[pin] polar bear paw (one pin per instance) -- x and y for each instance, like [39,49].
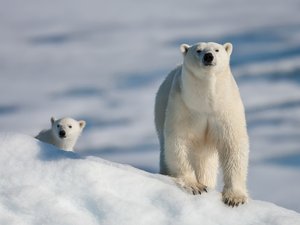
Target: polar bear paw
[194,188]
[234,198]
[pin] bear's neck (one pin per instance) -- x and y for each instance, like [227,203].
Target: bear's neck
[199,94]
[68,145]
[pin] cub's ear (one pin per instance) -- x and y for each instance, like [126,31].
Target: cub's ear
[52,120]
[228,48]
[184,49]
[82,124]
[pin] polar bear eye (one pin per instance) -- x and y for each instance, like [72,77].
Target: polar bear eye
[217,50]
[58,126]
[199,50]
[70,126]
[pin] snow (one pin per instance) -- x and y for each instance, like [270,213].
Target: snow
[102,61]
[41,184]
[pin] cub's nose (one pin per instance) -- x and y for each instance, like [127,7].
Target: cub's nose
[62,134]
[208,58]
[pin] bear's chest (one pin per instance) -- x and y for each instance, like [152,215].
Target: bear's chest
[199,96]
[204,127]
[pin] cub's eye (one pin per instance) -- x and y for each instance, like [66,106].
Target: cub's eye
[199,50]
[58,126]
[70,126]
[217,50]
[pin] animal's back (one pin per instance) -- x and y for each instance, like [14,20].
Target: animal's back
[45,136]
[161,103]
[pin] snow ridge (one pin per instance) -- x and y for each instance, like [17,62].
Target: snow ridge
[41,184]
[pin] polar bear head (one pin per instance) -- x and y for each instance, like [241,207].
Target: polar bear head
[67,128]
[203,58]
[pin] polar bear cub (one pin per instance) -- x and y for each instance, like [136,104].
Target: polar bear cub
[63,134]
[200,121]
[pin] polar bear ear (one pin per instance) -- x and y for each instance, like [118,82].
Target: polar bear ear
[228,48]
[82,124]
[52,120]
[184,48]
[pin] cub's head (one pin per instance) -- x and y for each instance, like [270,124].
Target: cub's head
[203,58]
[67,128]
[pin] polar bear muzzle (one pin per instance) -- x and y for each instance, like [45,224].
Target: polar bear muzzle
[62,134]
[208,59]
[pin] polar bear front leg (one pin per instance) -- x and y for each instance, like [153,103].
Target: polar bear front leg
[234,162]
[190,185]
[179,165]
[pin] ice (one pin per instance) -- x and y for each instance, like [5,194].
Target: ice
[41,184]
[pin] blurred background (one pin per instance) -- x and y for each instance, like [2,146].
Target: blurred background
[103,61]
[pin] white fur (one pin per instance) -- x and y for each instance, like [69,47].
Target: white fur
[200,120]
[72,129]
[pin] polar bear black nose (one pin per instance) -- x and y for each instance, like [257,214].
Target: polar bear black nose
[208,58]
[62,133]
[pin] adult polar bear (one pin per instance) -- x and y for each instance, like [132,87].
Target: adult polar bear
[200,120]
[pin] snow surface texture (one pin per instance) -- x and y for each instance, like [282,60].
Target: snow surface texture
[43,185]
[102,61]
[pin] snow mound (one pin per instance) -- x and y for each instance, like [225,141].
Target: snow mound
[43,185]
